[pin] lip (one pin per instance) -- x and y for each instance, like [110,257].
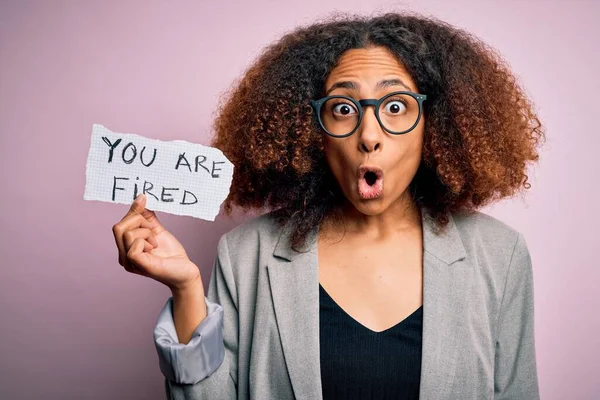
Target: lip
[365,190]
[363,169]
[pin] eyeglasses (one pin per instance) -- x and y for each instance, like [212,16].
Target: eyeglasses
[397,112]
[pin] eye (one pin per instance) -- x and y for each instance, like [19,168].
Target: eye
[394,107]
[344,109]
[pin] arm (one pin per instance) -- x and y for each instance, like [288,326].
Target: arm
[205,367]
[189,310]
[515,362]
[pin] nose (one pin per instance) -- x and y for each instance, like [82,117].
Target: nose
[371,133]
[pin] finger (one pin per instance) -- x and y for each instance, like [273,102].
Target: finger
[132,221]
[153,221]
[147,246]
[138,205]
[144,261]
[152,240]
[145,233]
[131,256]
[129,222]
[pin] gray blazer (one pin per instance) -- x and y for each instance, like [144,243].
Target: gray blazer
[260,339]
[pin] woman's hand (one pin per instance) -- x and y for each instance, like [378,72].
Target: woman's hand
[146,248]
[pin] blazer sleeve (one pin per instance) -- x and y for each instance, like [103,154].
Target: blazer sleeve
[515,360]
[206,367]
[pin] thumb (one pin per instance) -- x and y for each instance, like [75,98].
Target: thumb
[151,217]
[139,206]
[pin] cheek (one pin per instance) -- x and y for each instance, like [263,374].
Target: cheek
[337,155]
[413,151]
[340,163]
[416,150]
[408,160]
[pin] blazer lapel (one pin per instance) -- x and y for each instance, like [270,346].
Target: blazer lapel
[444,303]
[294,282]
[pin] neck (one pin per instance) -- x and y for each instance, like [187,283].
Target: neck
[400,216]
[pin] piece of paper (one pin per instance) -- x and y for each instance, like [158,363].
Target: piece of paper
[178,177]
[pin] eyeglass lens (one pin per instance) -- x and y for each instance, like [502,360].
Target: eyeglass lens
[397,113]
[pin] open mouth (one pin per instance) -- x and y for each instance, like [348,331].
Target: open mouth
[370,182]
[370,177]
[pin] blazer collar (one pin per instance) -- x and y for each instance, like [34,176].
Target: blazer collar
[447,247]
[294,284]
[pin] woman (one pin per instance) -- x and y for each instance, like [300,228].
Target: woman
[371,142]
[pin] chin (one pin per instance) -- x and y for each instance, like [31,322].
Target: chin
[370,207]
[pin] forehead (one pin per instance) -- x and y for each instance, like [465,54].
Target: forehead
[367,67]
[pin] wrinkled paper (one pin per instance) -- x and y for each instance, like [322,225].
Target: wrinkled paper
[178,177]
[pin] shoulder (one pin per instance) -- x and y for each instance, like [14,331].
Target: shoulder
[477,223]
[252,236]
[261,227]
[480,230]
[491,243]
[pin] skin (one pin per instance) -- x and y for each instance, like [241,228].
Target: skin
[146,248]
[374,271]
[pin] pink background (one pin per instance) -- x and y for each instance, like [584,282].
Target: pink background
[74,324]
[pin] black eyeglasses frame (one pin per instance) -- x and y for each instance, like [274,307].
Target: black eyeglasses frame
[317,104]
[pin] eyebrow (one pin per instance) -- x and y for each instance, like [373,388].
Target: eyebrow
[386,83]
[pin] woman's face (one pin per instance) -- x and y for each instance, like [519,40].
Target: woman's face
[398,156]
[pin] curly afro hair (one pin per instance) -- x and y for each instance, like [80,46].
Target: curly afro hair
[480,128]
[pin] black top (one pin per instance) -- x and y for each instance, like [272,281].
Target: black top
[358,363]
